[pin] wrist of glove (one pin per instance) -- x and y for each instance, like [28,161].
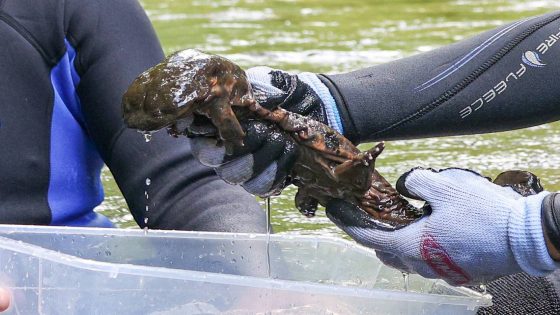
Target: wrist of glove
[477,231]
[303,93]
[263,164]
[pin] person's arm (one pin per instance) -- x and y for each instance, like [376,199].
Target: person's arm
[115,42]
[500,80]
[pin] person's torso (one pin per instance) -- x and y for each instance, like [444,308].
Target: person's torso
[49,167]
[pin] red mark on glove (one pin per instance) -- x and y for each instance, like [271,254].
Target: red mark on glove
[438,259]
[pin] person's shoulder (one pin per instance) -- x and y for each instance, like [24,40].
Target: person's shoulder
[38,22]
[102,19]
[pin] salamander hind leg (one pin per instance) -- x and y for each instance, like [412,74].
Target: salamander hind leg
[366,158]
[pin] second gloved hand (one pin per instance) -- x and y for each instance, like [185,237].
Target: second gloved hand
[262,165]
[477,232]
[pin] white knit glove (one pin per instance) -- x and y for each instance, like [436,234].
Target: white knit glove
[477,232]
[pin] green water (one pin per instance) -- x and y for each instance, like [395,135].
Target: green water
[341,35]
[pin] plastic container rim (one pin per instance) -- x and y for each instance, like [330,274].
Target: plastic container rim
[472,298]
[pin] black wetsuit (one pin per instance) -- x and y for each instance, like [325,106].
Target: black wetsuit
[500,80]
[64,66]
[503,79]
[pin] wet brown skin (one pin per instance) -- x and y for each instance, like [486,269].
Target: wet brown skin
[190,84]
[329,166]
[186,84]
[523,182]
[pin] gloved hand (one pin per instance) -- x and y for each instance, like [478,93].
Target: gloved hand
[477,231]
[262,165]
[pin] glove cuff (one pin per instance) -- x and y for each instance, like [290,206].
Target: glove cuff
[527,238]
[260,79]
[333,116]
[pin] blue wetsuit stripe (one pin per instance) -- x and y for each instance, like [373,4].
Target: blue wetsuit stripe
[468,57]
[74,185]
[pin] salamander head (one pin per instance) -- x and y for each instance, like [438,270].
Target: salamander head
[167,92]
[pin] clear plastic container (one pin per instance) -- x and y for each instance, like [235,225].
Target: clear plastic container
[60,270]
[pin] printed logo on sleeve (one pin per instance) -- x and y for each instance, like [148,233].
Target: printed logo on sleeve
[529,58]
[532,59]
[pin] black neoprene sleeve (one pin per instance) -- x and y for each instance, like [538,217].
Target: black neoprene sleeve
[115,42]
[500,80]
[551,218]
